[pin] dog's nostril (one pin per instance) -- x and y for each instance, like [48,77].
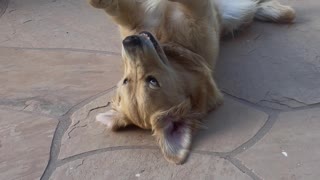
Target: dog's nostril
[131,41]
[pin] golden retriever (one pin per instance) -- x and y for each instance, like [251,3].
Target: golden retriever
[169,52]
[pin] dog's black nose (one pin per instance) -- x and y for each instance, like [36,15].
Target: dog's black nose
[131,41]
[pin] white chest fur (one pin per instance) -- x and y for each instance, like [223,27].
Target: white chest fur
[154,12]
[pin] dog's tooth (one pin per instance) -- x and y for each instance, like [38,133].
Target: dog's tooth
[145,35]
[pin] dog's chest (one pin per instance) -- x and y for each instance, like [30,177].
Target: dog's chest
[154,10]
[158,12]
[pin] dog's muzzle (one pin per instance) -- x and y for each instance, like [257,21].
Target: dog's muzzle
[143,42]
[132,41]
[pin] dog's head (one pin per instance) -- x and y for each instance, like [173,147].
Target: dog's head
[165,88]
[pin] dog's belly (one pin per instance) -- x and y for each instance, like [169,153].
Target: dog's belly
[172,24]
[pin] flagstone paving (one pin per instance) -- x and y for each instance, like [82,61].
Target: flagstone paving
[24,144]
[59,64]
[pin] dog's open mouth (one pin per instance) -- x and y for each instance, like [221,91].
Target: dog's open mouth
[154,42]
[144,41]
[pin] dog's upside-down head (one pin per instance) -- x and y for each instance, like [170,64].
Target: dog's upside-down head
[165,88]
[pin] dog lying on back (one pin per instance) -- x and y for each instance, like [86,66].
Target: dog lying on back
[169,52]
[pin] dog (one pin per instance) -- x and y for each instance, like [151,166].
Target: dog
[169,51]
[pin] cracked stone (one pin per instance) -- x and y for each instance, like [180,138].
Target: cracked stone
[58,24]
[25,142]
[146,164]
[85,134]
[227,128]
[51,82]
[276,66]
[290,150]
[3,6]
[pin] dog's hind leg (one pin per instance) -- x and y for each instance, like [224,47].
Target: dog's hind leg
[272,10]
[125,13]
[236,14]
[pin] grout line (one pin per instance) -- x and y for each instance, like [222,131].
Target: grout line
[237,163]
[63,125]
[5,6]
[257,137]
[64,49]
[267,110]
[55,147]
[311,106]
[230,156]
[209,153]
[98,151]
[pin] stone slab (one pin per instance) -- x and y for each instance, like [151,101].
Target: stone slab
[51,82]
[86,134]
[3,6]
[230,126]
[290,150]
[57,24]
[147,164]
[277,66]
[25,142]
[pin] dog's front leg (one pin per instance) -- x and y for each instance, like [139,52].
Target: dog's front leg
[112,119]
[126,13]
[197,7]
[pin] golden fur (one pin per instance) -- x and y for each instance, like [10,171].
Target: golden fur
[167,83]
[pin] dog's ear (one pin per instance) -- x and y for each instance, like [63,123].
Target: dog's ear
[173,130]
[174,139]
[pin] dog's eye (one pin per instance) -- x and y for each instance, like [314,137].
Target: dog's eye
[125,81]
[153,82]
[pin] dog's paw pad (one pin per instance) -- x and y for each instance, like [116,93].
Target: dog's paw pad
[106,118]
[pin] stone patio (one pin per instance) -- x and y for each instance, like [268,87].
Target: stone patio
[60,62]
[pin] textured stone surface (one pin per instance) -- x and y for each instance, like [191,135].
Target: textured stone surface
[3,6]
[229,127]
[86,134]
[57,24]
[64,56]
[295,134]
[25,142]
[52,82]
[146,164]
[275,65]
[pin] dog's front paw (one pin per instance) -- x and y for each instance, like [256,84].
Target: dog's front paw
[101,4]
[219,100]
[113,120]
[107,119]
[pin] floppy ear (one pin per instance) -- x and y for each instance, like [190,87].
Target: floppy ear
[173,130]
